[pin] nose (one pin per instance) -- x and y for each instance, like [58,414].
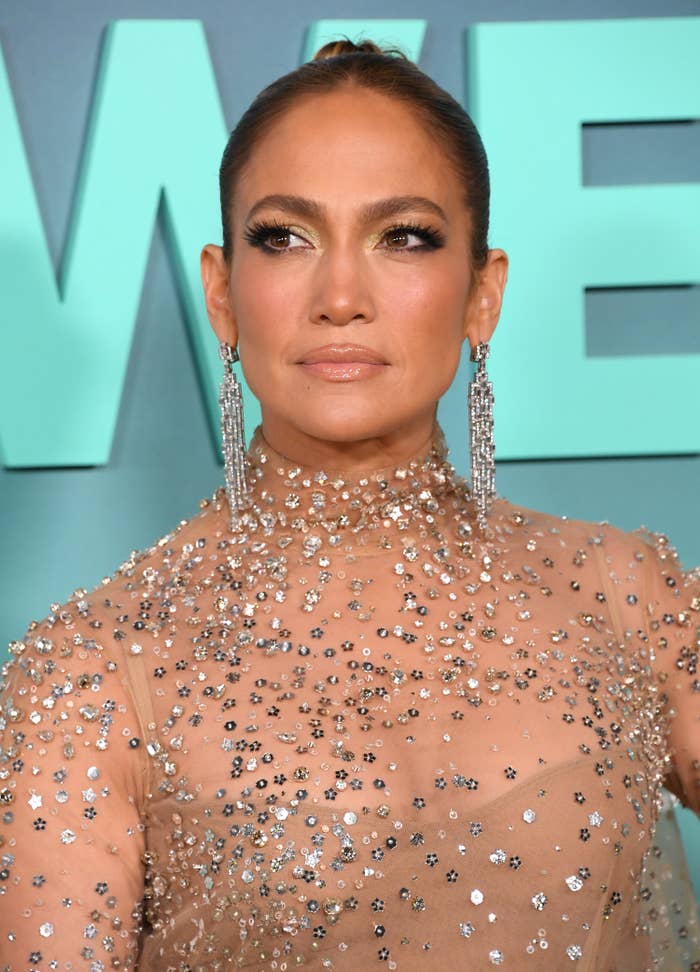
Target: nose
[341,291]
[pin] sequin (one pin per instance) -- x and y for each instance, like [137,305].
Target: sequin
[326,737]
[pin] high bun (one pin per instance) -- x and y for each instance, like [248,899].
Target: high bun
[345,46]
[343,63]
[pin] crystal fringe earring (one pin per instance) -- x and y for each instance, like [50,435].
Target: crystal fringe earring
[483,466]
[233,440]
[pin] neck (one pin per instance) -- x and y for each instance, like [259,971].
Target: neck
[330,507]
[350,458]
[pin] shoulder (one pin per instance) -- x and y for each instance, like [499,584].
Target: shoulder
[102,621]
[161,564]
[633,565]
[562,530]
[617,542]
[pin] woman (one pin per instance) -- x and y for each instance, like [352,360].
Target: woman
[355,713]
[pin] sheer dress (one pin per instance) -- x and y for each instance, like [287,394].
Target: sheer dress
[355,732]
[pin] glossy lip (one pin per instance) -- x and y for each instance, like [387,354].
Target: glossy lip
[342,354]
[343,362]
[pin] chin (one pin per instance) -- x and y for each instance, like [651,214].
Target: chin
[342,429]
[366,421]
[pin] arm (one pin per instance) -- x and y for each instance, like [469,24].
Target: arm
[671,607]
[71,791]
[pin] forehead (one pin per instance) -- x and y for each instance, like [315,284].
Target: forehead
[345,145]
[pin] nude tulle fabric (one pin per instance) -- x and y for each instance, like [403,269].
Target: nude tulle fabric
[356,733]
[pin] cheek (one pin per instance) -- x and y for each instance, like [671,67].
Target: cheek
[431,325]
[262,309]
[264,306]
[261,296]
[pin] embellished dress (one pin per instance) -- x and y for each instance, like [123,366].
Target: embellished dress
[351,732]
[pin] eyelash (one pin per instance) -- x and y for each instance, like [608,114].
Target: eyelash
[258,232]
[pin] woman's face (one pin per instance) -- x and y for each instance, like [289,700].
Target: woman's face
[348,291]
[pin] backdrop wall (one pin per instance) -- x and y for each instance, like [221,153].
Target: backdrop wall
[631,460]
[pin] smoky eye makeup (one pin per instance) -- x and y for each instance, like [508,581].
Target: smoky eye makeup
[432,238]
[261,232]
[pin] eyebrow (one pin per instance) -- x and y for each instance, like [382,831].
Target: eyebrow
[374,211]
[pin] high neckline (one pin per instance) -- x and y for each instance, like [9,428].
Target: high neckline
[434,454]
[339,504]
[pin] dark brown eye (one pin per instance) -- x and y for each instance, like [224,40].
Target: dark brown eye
[399,235]
[270,236]
[279,236]
[398,238]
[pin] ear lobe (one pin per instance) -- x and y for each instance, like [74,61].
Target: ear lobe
[481,321]
[215,281]
[485,306]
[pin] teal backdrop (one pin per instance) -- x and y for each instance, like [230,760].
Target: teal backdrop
[113,117]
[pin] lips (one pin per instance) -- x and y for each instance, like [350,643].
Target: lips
[343,354]
[343,363]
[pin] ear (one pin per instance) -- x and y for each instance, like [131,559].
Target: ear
[484,305]
[215,280]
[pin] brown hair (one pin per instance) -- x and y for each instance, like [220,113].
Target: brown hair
[388,71]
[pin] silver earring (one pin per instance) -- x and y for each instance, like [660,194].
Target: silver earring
[483,466]
[232,437]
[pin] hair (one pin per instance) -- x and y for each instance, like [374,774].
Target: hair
[340,63]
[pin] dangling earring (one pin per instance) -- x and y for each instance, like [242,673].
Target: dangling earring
[483,466]
[233,440]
